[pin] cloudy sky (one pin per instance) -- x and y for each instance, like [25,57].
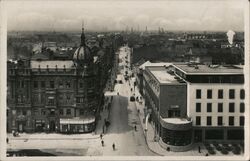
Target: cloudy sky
[62,15]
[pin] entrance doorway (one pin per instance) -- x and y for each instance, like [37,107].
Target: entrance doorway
[197,136]
[52,126]
[20,127]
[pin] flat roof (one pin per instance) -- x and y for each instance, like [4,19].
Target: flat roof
[176,120]
[210,69]
[148,63]
[161,74]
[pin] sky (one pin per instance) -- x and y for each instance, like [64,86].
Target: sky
[188,15]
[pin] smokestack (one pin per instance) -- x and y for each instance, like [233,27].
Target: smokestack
[230,36]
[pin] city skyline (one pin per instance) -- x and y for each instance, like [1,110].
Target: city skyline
[120,15]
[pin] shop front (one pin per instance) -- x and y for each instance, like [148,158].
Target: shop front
[176,134]
[77,125]
[40,125]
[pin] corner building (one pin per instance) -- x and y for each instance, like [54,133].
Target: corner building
[55,95]
[195,103]
[215,101]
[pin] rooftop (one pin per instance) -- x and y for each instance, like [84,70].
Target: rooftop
[52,64]
[161,74]
[148,63]
[210,69]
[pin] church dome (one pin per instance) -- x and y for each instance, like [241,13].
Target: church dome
[82,53]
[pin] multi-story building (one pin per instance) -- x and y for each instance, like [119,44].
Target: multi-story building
[215,101]
[166,102]
[47,95]
[195,103]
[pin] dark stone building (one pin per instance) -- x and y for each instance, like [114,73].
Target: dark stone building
[49,95]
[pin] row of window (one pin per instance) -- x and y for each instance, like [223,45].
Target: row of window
[68,112]
[51,84]
[220,107]
[61,112]
[220,120]
[220,94]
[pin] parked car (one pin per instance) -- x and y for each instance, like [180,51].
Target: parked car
[132,98]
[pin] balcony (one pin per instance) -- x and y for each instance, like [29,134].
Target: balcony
[179,124]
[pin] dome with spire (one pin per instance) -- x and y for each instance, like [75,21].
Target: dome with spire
[82,53]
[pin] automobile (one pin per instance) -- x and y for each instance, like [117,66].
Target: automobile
[132,98]
[120,81]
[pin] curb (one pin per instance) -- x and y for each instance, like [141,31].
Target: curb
[145,135]
[53,138]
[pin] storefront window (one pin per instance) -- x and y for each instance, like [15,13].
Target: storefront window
[176,138]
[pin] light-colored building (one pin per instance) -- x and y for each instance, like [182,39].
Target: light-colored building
[215,101]
[204,102]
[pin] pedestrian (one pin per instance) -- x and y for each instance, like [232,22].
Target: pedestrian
[103,128]
[7,140]
[102,143]
[199,148]
[113,146]
[101,136]
[135,127]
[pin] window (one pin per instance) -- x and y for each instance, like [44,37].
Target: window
[209,107]
[231,93]
[219,119]
[220,107]
[24,112]
[242,120]
[60,84]
[220,93]
[68,84]
[35,84]
[81,112]
[22,84]
[209,94]
[242,107]
[68,112]
[43,112]
[61,112]
[198,93]
[198,107]
[198,120]
[231,107]
[52,84]
[81,85]
[174,113]
[42,84]
[231,121]
[209,120]
[52,112]
[242,94]
[68,98]
[51,101]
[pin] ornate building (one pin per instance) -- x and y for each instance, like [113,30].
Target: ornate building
[47,95]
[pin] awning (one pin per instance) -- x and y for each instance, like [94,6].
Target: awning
[77,120]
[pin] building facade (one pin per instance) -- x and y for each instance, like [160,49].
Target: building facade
[166,102]
[195,103]
[56,95]
[216,101]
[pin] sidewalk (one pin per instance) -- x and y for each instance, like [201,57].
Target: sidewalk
[155,146]
[59,136]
